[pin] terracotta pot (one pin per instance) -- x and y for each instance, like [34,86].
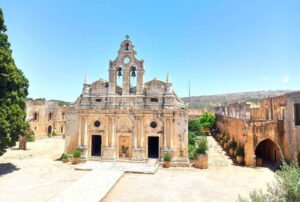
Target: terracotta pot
[239,159]
[77,160]
[231,151]
[201,161]
[225,145]
[65,160]
[123,155]
[167,164]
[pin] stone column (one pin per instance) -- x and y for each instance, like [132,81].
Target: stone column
[106,132]
[85,139]
[135,132]
[113,132]
[172,132]
[79,132]
[142,132]
[165,133]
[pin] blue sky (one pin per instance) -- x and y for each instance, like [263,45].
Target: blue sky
[220,46]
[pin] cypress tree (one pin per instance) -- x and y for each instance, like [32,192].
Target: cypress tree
[13,92]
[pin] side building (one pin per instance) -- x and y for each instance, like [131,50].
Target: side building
[269,131]
[46,117]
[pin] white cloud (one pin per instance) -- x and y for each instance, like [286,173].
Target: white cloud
[285,79]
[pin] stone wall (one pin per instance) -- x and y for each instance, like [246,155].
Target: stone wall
[273,120]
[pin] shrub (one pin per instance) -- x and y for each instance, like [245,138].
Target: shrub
[65,156]
[192,137]
[240,152]
[232,144]
[202,145]
[285,188]
[124,149]
[77,154]
[207,120]
[194,125]
[192,149]
[167,157]
[30,138]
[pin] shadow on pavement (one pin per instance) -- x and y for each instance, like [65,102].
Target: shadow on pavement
[6,168]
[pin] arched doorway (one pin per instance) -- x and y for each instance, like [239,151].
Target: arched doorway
[268,154]
[49,129]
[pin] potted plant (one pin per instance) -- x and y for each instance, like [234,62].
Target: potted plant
[124,151]
[225,145]
[202,158]
[232,147]
[221,140]
[77,156]
[240,153]
[65,158]
[167,160]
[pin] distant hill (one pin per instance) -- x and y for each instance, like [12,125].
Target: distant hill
[209,102]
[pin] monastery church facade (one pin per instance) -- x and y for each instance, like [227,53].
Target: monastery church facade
[126,117]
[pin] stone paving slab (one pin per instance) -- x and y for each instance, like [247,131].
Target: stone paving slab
[90,188]
[145,168]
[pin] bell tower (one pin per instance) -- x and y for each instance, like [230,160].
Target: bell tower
[128,68]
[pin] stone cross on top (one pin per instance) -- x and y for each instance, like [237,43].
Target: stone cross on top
[127,36]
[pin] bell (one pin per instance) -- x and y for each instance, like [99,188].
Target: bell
[119,73]
[133,74]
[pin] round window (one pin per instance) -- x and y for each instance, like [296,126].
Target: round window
[97,124]
[153,124]
[126,60]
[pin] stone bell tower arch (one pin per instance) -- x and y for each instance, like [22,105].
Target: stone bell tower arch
[129,67]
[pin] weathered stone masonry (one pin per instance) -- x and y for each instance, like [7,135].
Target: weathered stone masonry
[147,118]
[270,131]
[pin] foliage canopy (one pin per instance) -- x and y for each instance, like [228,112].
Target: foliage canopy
[13,91]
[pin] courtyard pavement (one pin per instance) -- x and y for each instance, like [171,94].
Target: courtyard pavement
[222,181]
[36,175]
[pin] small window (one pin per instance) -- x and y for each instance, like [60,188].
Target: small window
[62,129]
[154,100]
[97,124]
[282,111]
[63,116]
[36,116]
[98,100]
[297,114]
[153,124]
[50,116]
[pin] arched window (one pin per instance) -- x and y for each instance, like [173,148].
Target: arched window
[132,76]
[63,116]
[61,129]
[119,81]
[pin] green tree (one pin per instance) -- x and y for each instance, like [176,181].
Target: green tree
[207,120]
[194,126]
[13,91]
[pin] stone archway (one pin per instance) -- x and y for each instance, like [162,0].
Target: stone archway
[268,154]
